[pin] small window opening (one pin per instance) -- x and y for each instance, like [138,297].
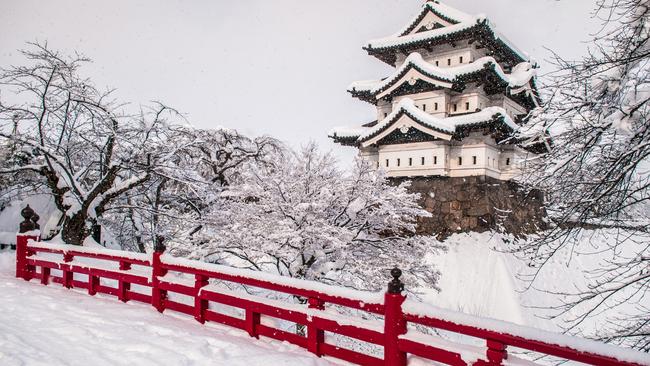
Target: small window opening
[467,106]
[398,162]
[448,62]
[422,160]
[507,161]
[410,161]
[424,107]
[455,107]
[435,160]
[460,160]
[474,160]
[385,114]
[460,59]
[435,106]
[386,163]
[437,63]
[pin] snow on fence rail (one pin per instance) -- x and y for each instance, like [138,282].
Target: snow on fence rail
[34,260]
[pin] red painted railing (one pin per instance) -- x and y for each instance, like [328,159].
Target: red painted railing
[396,333]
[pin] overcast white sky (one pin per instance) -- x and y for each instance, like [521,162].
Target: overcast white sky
[277,67]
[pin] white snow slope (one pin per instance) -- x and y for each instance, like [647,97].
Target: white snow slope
[50,325]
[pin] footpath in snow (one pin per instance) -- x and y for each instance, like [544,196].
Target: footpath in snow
[50,325]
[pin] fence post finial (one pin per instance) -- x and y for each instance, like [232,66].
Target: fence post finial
[35,219]
[159,246]
[395,286]
[29,222]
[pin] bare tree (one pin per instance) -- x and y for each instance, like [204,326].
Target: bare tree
[82,149]
[596,174]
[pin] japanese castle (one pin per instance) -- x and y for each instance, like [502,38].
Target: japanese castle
[458,93]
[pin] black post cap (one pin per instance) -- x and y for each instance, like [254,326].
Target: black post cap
[395,286]
[29,223]
[35,219]
[159,246]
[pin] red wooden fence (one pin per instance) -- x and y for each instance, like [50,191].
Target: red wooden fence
[36,260]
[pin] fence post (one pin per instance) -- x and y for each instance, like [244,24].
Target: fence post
[26,232]
[394,322]
[68,276]
[496,352]
[158,296]
[315,336]
[252,320]
[93,284]
[123,287]
[200,305]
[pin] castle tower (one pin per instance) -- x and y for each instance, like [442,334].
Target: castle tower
[449,111]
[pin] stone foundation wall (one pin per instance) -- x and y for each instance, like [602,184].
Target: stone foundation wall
[478,204]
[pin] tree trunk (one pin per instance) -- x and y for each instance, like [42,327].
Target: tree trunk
[75,229]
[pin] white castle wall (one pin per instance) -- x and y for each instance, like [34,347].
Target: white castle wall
[476,155]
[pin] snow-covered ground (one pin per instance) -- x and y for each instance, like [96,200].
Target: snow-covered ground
[481,281]
[50,325]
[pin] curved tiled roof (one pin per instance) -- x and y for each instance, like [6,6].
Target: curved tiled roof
[448,125]
[520,77]
[461,24]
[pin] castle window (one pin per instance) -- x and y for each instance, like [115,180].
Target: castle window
[435,106]
[398,162]
[474,159]
[385,114]
[410,161]
[386,163]
[507,161]
[422,160]
[437,63]
[435,160]
[467,106]
[424,107]
[460,160]
[448,62]
[455,107]
[460,59]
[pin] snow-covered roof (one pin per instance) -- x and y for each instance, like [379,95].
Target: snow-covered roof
[443,11]
[447,125]
[519,78]
[460,23]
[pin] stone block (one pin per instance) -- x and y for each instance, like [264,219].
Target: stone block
[463,196]
[478,210]
[459,181]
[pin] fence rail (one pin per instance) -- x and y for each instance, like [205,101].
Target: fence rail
[35,261]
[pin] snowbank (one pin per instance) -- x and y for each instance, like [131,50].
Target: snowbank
[478,280]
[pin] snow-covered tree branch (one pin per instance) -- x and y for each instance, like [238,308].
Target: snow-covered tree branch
[597,173]
[303,217]
[73,137]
